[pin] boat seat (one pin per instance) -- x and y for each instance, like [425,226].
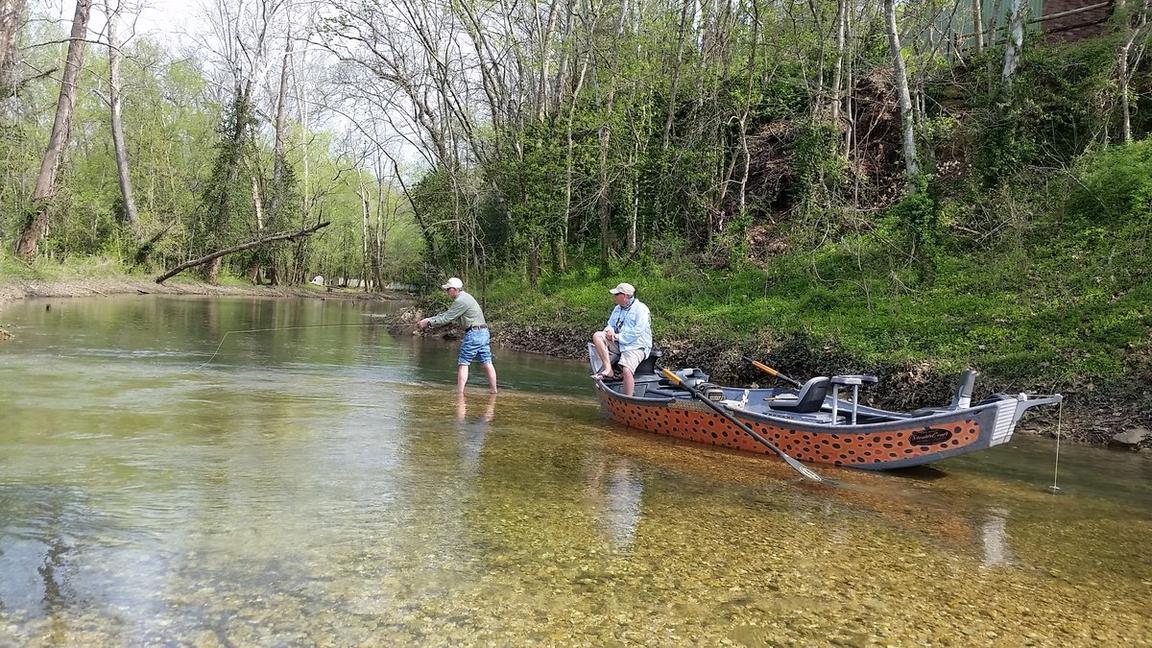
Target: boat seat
[849,380]
[646,370]
[961,397]
[647,366]
[810,398]
[962,394]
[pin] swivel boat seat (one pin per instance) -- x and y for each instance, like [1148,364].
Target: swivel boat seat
[809,399]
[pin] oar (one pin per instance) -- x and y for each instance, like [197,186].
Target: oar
[772,372]
[796,465]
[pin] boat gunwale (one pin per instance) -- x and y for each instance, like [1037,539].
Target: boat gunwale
[927,420]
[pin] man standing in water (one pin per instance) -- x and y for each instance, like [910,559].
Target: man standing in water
[476,343]
[627,338]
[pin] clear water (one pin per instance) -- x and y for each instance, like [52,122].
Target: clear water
[322,486]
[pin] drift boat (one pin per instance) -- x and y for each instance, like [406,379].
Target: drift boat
[815,423]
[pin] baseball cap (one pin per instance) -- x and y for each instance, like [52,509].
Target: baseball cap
[454,282]
[626,288]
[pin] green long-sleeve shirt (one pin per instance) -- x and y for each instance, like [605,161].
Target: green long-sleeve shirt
[464,311]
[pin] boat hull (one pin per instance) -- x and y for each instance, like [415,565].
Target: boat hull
[879,446]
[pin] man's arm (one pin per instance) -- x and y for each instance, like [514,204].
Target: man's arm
[455,310]
[609,331]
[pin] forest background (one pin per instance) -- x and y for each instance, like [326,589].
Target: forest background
[904,188]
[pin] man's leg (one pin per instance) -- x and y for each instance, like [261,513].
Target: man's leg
[491,369]
[601,344]
[461,378]
[629,381]
[468,350]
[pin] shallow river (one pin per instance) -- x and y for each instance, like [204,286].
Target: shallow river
[162,483]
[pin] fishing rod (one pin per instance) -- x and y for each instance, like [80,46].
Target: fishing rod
[277,328]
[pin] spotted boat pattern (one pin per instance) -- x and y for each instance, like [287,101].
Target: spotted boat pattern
[904,444]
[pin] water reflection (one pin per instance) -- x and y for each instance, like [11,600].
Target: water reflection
[994,537]
[472,432]
[614,491]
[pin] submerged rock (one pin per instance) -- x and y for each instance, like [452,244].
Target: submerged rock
[5,335]
[1132,437]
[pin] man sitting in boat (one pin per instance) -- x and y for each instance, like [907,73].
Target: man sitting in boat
[627,338]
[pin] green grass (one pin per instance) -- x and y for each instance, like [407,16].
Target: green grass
[44,269]
[1069,298]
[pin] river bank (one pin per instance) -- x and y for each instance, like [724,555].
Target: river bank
[15,289]
[1090,414]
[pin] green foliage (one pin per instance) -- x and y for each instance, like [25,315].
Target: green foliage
[227,193]
[181,147]
[1055,108]
[449,242]
[1031,317]
[1070,299]
[1113,188]
[44,268]
[915,220]
[818,161]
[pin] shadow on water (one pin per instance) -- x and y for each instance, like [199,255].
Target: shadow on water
[919,473]
[323,485]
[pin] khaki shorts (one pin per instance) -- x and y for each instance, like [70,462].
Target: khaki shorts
[629,359]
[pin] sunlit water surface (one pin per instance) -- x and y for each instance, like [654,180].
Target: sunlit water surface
[320,485]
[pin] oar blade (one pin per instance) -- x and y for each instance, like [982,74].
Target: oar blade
[801,468]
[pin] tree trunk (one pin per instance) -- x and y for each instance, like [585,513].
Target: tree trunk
[1125,108]
[910,167]
[978,24]
[850,95]
[211,270]
[280,162]
[365,216]
[213,258]
[379,233]
[114,87]
[11,15]
[37,225]
[1125,67]
[258,207]
[534,263]
[569,171]
[1015,40]
[838,71]
[603,206]
[680,37]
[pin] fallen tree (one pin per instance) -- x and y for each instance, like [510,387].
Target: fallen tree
[282,236]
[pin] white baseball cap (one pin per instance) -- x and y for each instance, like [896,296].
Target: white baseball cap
[626,288]
[454,282]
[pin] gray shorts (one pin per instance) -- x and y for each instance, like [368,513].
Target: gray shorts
[629,359]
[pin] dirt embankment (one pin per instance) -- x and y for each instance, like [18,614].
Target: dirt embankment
[1090,414]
